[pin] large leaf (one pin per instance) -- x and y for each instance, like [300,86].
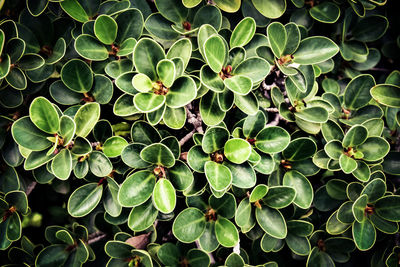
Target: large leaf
[271,9]
[61,165]
[215,52]
[26,134]
[77,75]
[271,221]
[84,199]
[387,208]
[86,118]
[189,225]
[277,37]
[237,150]
[105,29]
[364,234]
[226,232]
[313,50]
[303,187]
[164,196]
[219,176]
[356,94]
[387,94]
[44,115]
[136,188]
[146,55]
[158,154]
[243,32]
[272,139]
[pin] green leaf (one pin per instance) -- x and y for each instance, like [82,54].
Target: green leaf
[243,32]
[386,94]
[77,76]
[279,197]
[75,10]
[314,50]
[347,164]
[99,164]
[189,225]
[90,48]
[374,148]
[239,84]
[142,217]
[113,146]
[164,197]
[26,134]
[319,258]
[5,66]
[258,192]
[143,132]
[172,10]
[226,232]
[166,72]
[358,208]
[105,29]
[52,255]
[326,12]
[388,208]
[86,118]
[44,115]
[148,102]
[248,104]
[313,114]
[255,68]
[277,37]
[375,189]
[357,92]
[300,149]
[303,187]
[230,6]
[84,199]
[243,175]
[61,166]
[219,176]
[180,176]
[356,135]
[158,154]
[364,234]
[175,118]
[146,55]
[191,3]
[299,245]
[215,52]
[271,9]
[196,158]
[237,150]
[272,139]
[136,189]
[210,111]
[214,139]
[182,49]
[370,28]
[254,124]
[271,221]
[181,93]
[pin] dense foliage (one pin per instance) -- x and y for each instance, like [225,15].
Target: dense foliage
[197,133]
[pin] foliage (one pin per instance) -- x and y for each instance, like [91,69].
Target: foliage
[198,133]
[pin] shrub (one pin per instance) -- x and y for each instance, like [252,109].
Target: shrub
[197,133]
